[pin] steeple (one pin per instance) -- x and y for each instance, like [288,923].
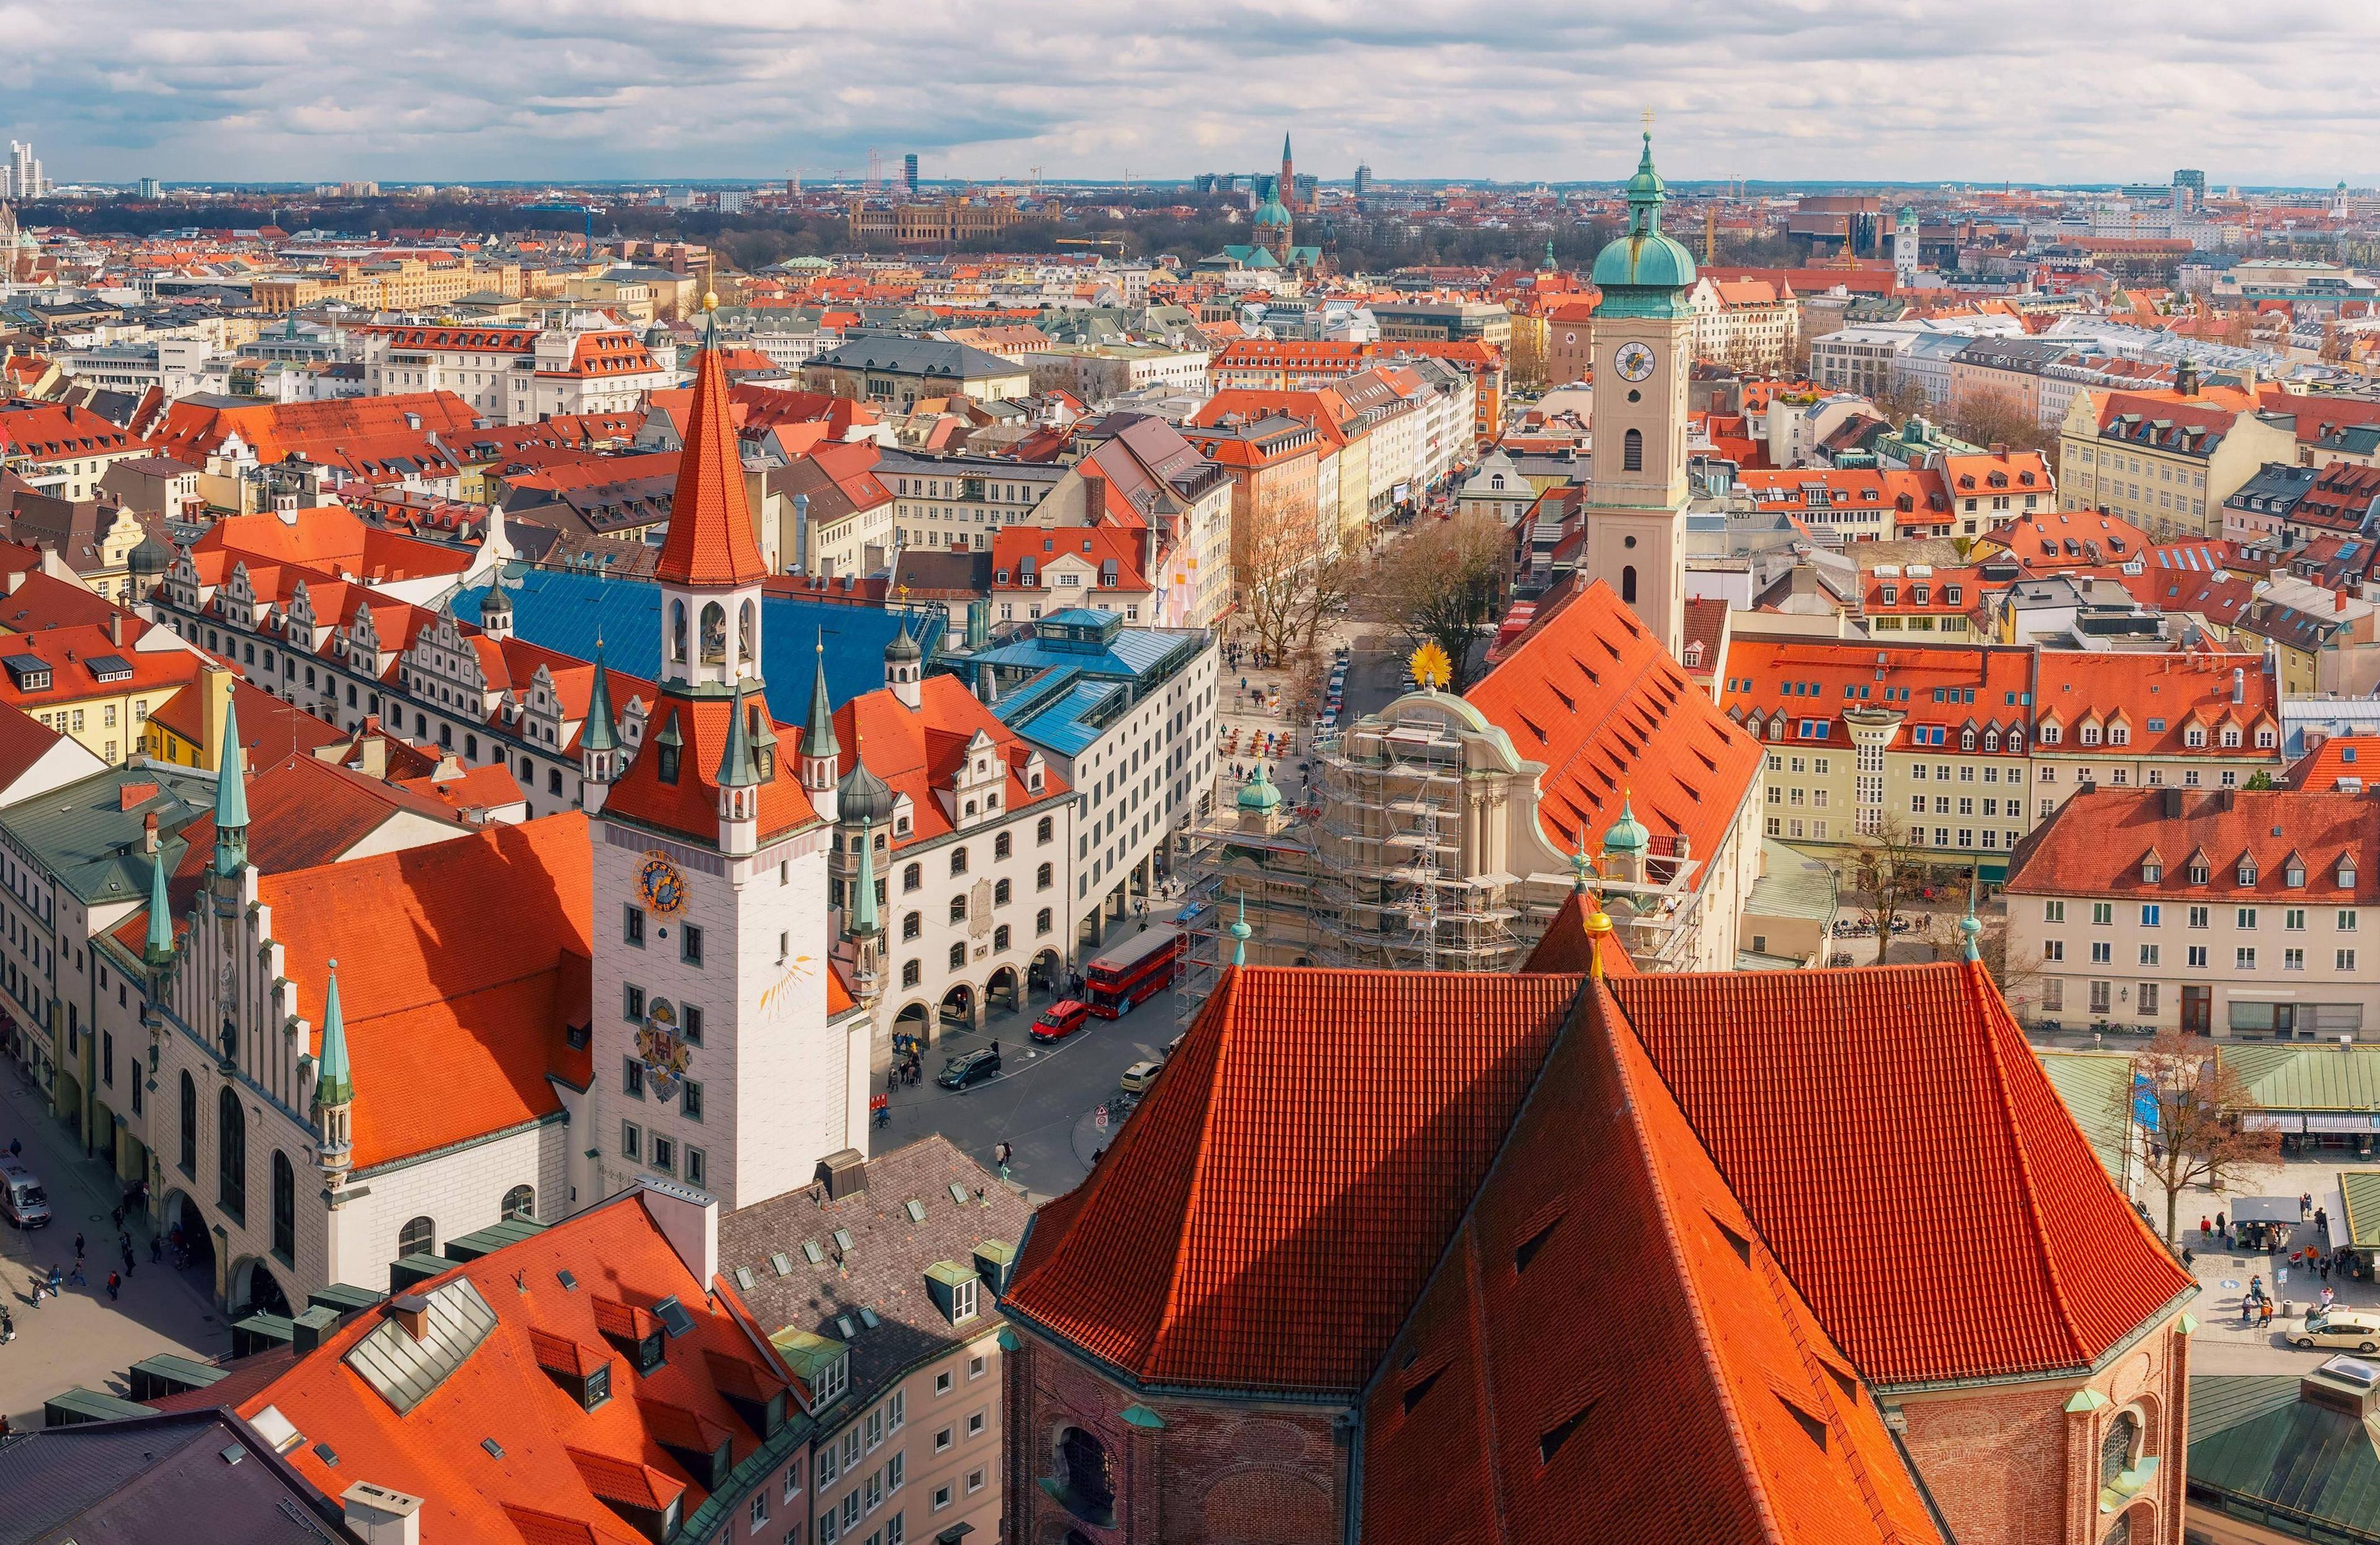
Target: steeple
[709,541]
[335,1090]
[600,754]
[739,785]
[863,901]
[230,798]
[157,952]
[821,754]
[1240,932]
[901,666]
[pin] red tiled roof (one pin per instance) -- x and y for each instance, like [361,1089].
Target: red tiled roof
[919,750]
[1530,1376]
[690,806]
[1592,694]
[1797,683]
[558,1466]
[1911,1091]
[1566,947]
[2179,692]
[2100,841]
[456,1008]
[333,539]
[1215,1239]
[2355,757]
[710,540]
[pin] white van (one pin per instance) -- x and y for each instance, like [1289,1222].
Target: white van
[22,1200]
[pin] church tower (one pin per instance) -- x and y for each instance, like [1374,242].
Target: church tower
[1289,176]
[724,1071]
[1642,333]
[1904,248]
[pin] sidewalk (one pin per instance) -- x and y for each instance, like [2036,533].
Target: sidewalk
[81,1338]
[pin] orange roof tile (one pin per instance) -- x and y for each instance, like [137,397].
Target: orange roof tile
[710,540]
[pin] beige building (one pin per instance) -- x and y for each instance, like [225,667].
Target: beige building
[2236,914]
[1745,323]
[877,1288]
[2164,460]
[386,284]
[897,373]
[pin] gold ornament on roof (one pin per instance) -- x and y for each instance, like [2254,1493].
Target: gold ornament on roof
[710,300]
[1430,666]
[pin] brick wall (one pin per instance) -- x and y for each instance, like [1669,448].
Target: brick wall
[1216,1471]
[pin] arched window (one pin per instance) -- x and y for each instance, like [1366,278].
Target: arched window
[2116,1448]
[189,1154]
[714,634]
[285,1208]
[1041,921]
[520,1202]
[1631,452]
[677,630]
[1000,938]
[748,634]
[958,957]
[417,1237]
[231,1156]
[1082,1470]
[1628,577]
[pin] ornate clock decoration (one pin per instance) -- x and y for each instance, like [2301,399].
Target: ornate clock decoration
[1632,360]
[659,887]
[661,1049]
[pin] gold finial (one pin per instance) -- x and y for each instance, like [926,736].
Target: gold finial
[1599,929]
[1430,666]
[710,300]
[1648,120]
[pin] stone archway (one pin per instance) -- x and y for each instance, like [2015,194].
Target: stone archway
[961,1008]
[193,1252]
[255,1290]
[1048,973]
[913,1028]
[1005,989]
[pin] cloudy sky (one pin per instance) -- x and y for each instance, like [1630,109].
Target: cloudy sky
[2260,92]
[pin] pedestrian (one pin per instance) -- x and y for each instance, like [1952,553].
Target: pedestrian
[77,1279]
[78,1242]
[2186,1258]
[114,1282]
[2247,1310]
[127,1261]
[2265,1314]
[2321,1221]
[2221,1227]
[119,1214]
[2325,1270]
[2305,1205]
[156,1251]
[2206,1230]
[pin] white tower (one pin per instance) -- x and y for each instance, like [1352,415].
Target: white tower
[1636,495]
[718,1065]
[1904,249]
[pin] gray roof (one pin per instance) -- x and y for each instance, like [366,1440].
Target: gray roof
[146,1479]
[88,834]
[883,1271]
[918,356]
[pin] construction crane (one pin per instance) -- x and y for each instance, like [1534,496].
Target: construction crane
[875,170]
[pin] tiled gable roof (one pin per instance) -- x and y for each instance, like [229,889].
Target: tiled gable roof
[710,540]
[2095,843]
[1591,693]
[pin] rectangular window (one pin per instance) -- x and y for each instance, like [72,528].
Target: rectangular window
[632,1141]
[698,1168]
[2293,960]
[632,926]
[2148,955]
[632,1003]
[632,1077]
[2293,919]
[2102,913]
[2102,996]
[2198,956]
[2053,911]
[690,1101]
[690,944]
[2053,949]
[2102,951]
[896,1411]
[664,1154]
[2151,916]
[2147,997]
[2345,960]
[2245,917]
[2244,957]
[2199,916]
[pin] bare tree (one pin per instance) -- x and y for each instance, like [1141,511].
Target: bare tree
[1884,870]
[2200,1136]
[1287,577]
[1443,583]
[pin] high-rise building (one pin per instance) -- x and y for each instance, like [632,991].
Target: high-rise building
[151,190]
[2190,184]
[23,178]
[1363,180]
[909,170]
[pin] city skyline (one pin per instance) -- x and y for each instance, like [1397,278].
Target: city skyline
[1892,93]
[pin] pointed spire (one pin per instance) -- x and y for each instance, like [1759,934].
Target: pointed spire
[710,541]
[817,734]
[1240,932]
[333,1084]
[1971,928]
[1284,149]
[1581,868]
[735,766]
[231,797]
[863,906]
[602,731]
[159,948]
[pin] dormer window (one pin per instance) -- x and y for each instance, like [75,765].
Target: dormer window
[2050,734]
[2150,872]
[2347,874]
[2247,871]
[2090,734]
[2194,736]
[2264,740]
[2199,873]
[2230,735]
[2120,735]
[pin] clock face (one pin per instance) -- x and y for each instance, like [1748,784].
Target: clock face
[659,887]
[1633,361]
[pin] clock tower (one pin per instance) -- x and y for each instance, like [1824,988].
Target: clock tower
[1636,493]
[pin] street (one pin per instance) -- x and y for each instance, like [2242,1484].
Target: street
[81,1338]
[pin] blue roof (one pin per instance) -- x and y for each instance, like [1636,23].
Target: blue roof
[567,612]
[1060,722]
[1135,652]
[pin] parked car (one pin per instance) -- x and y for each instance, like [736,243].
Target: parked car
[1139,1075]
[1061,1019]
[972,1069]
[22,1200]
[2353,1329]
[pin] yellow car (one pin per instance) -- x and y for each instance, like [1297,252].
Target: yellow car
[2357,1330]
[1139,1075]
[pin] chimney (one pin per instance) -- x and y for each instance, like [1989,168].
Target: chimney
[149,834]
[689,1221]
[379,1516]
[411,1312]
[2339,601]
[2171,801]
[16,578]
[115,625]
[1095,498]
[845,1174]
[2239,684]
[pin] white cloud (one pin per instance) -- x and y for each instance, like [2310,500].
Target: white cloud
[450,89]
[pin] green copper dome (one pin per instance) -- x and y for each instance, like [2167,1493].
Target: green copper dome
[1259,793]
[1271,212]
[1627,833]
[1644,268]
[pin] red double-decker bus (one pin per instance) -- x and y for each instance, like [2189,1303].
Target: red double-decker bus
[1132,971]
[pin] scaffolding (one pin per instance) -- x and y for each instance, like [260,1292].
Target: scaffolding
[1380,862]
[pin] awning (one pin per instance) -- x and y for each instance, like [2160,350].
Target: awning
[2342,1124]
[2265,1120]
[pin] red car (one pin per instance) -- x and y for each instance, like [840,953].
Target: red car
[1061,1019]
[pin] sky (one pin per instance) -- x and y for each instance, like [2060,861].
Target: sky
[2266,91]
